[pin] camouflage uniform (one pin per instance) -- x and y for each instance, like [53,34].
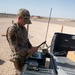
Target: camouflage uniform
[17,37]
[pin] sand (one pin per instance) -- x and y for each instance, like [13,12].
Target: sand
[37,33]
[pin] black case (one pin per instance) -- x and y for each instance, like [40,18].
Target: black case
[62,43]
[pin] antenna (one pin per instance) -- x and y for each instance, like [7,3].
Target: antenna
[47,30]
[48,23]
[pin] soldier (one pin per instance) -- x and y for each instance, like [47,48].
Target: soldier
[19,43]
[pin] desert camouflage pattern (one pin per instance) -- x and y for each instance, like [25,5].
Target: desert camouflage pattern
[17,37]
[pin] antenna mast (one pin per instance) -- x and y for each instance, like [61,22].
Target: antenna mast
[48,23]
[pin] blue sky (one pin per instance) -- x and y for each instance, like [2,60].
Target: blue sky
[60,8]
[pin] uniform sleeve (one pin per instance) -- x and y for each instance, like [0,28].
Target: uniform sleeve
[13,42]
[29,44]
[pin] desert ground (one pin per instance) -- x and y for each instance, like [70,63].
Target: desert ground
[37,33]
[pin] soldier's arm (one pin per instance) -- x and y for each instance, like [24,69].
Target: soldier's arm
[13,42]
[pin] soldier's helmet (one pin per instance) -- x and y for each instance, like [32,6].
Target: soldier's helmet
[24,13]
